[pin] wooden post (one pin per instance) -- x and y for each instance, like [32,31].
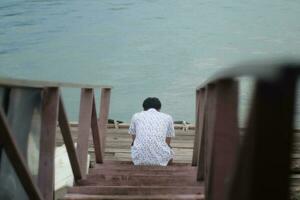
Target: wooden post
[104,110]
[263,167]
[225,138]
[202,134]
[96,134]
[196,139]
[67,136]
[1,148]
[16,159]
[209,118]
[47,144]
[84,127]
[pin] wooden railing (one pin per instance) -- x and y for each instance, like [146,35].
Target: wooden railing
[257,165]
[22,101]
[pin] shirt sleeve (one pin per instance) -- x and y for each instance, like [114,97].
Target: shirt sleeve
[171,131]
[131,129]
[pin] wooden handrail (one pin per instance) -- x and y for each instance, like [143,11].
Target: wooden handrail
[53,111]
[271,116]
[234,170]
[265,70]
[12,82]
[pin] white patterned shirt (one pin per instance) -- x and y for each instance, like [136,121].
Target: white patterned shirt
[151,128]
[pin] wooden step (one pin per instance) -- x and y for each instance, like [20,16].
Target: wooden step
[105,177]
[140,181]
[122,163]
[133,197]
[173,167]
[132,167]
[136,190]
[156,172]
[101,168]
[123,180]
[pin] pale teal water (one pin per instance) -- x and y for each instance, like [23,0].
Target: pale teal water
[162,48]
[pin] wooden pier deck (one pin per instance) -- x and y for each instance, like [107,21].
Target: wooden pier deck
[117,178]
[118,144]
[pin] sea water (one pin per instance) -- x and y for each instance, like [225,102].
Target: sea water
[162,48]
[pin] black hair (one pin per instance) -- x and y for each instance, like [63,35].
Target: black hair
[151,102]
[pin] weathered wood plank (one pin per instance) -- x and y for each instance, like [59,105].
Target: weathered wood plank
[5,81]
[135,190]
[133,176]
[196,140]
[134,197]
[271,116]
[86,104]
[67,137]
[117,164]
[202,136]
[127,172]
[140,181]
[104,110]
[50,101]
[96,134]
[118,145]
[128,165]
[209,120]
[16,159]
[225,139]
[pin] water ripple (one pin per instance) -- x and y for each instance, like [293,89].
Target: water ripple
[21,24]
[122,4]
[8,6]
[12,14]
[118,8]
[8,51]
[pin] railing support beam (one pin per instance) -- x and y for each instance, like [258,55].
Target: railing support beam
[96,135]
[208,132]
[196,139]
[86,103]
[224,140]
[50,103]
[201,134]
[104,110]
[68,140]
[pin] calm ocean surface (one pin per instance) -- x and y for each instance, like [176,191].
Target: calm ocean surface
[162,48]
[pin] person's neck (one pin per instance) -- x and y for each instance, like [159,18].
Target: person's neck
[153,109]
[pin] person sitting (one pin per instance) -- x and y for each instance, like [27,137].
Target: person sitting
[151,132]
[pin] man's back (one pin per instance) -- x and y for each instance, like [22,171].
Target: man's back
[151,128]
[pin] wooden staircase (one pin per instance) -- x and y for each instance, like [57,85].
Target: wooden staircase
[123,180]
